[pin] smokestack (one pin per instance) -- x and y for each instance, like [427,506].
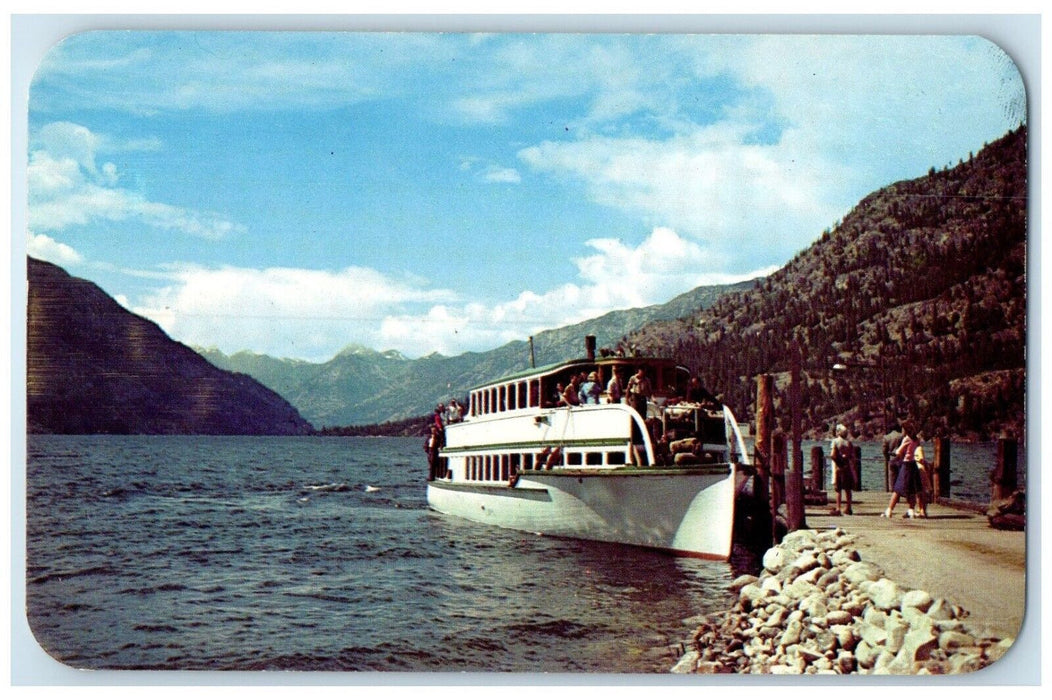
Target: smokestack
[589,347]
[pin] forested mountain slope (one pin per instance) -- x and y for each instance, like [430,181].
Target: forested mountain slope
[923,281]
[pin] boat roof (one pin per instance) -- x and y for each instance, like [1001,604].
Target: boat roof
[610,360]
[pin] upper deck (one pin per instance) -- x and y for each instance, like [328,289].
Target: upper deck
[539,387]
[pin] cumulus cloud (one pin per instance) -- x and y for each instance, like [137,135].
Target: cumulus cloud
[44,247]
[282,311]
[67,188]
[744,202]
[614,276]
[312,314]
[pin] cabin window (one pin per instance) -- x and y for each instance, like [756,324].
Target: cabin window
[527,461]
[616,458]
[504,463]
[594,459]
[522,395]
[535,392]
[493,400]
[516,466]
[573,459]
[502,400]
[512,400]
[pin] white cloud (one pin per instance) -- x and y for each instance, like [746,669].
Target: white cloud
[282,311]
[67,188]
[44,247]
[312,314]
[614,276]
[747,203]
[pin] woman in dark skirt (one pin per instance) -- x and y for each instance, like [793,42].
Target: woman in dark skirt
[907,483]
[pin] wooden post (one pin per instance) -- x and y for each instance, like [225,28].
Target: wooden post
[764,422]
[1004,474]
[941,487]
[794,402]
[794,499]
[778,462]
[857,467]
[762,453]
[818,469]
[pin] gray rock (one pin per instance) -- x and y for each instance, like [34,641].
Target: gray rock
[921,600]
[838,617]
[862,571]
[742,581]
[866,654]
[688,663]
[792,633]
[774,559]
[952,640]
[885,594]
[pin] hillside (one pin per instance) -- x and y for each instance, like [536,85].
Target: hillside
[920,291]
[362,386]
[94,367]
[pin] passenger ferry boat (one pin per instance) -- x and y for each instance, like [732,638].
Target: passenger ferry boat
[664,479]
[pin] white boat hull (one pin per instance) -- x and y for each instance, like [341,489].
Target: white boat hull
[686,511]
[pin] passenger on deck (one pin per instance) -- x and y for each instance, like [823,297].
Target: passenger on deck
[590,389]
[572,393]
[614,389]
[454,413]
[639,391]
[431,446]
[440,416]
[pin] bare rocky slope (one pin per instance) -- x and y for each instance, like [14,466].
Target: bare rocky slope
[94,367]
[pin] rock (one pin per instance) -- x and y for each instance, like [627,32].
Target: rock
[687,663]
[845,636]
[742,581]
[885,594]
[792,633]
[838,617]
[862,571]
[896,629]
[918,644]
[774,559]
[866,654]
[940,610]
[921,600]
[952,640]
[872,635]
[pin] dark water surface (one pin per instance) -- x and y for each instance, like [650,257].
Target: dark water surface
[321,554]
[215,553]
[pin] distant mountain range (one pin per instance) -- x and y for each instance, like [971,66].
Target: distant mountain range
[362,386]
[94,367]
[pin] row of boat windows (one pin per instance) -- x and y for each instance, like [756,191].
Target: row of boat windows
[506,397]
[501,467]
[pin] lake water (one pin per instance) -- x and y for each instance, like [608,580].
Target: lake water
[255,553]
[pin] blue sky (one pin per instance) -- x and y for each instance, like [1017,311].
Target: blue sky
[295,193]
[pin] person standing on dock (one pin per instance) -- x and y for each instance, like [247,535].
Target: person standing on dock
[907,483]
[842,454]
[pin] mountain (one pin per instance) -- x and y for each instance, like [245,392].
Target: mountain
[94,367]
[920,293]
[363,386]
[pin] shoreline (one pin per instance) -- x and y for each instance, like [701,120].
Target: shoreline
[862,594]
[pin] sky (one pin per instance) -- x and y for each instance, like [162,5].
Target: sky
[295,193]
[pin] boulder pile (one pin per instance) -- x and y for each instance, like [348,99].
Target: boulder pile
[818,608]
